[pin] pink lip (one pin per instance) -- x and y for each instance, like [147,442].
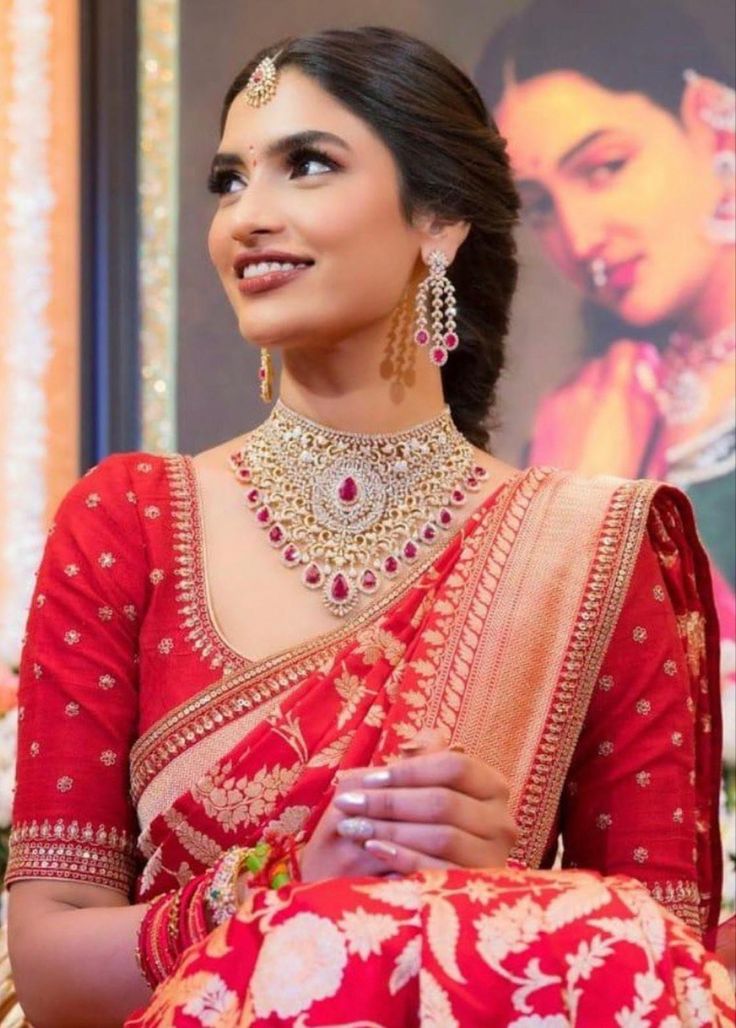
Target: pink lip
[271,280]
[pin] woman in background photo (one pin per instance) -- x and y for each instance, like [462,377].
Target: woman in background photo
[304,717]
[620,122]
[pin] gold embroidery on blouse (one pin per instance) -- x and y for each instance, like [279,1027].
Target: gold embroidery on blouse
[69,850]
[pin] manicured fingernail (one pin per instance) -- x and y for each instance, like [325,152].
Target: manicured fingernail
[351,800]
[355,828]
[409,747]
[380,777]
[382,849]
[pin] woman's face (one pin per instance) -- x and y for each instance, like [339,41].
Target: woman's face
[613,177]
[332,203]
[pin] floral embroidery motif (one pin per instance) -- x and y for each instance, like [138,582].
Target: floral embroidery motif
[300,961]
[658,593]
[643,707]
[130,612]
[605,749]
[375,644]
[691,629]
[131,497]
[37,671]
[677,739]
[108,758]
[105,613]
[35,749]
[71,570]
[165,646]
[106,560]
[64,783]
[604,821]
[72,637]
[605,682]
[152,512]
[639,634]
[106,681]
[678,815]
[71,709]
[643,779]
[156,576]
[233,802]
[670,667]
[641,854]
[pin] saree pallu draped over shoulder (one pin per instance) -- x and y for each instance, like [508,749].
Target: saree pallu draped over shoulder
[499,641]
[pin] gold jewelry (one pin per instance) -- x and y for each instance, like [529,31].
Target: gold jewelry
[261,86]
[265,375]
[441,338]
[349,509]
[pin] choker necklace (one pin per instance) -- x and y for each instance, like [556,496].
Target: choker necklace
[686,394]
[349,509]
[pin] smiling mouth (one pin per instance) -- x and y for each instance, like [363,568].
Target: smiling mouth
[269,275]
[252,271]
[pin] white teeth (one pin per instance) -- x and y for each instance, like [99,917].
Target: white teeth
[254,270]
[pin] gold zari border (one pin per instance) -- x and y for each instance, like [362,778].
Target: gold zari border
[68,850]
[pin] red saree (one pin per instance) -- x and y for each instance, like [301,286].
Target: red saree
[566,636]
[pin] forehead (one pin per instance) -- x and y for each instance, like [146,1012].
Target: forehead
[300,103]
[544,117]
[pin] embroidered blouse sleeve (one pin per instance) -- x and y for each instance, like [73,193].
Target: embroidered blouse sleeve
[78,700]
[642,793]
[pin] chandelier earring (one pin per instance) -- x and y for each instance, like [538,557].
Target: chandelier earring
[265,375]
[719,112]
[436,310]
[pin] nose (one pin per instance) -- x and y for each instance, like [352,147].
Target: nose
[581,228]
[255,213]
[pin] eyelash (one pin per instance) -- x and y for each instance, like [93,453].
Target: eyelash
[539,210]
[219,181]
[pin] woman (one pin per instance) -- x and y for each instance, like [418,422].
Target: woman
[620,122]
[416,687]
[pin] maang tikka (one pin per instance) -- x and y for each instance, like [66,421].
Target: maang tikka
[441,338]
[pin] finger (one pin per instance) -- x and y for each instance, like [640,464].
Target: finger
[434,805]
[403,860]
[427,740]
[458,771]
[442,841]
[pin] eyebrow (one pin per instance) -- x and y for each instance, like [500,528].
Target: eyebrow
[531,183]
[279,147]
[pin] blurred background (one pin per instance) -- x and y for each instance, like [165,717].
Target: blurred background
[114,334]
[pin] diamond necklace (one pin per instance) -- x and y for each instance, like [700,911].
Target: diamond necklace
[348,509]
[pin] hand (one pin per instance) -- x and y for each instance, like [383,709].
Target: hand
[435,810]
[604,420]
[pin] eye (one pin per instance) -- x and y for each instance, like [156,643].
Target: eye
[302,158]
[224,181]
[601,174]
[538,210]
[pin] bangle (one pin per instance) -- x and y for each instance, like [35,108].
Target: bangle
[270,864]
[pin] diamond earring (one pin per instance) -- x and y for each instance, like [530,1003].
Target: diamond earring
[441,338]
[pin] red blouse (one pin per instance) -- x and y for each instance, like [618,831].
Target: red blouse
[120,632]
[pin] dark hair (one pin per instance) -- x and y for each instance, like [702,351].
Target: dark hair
[452,163]
[640,46]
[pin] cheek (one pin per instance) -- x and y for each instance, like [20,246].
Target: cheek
[217,241]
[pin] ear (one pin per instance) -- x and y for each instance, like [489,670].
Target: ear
[707,112]
[436,234]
